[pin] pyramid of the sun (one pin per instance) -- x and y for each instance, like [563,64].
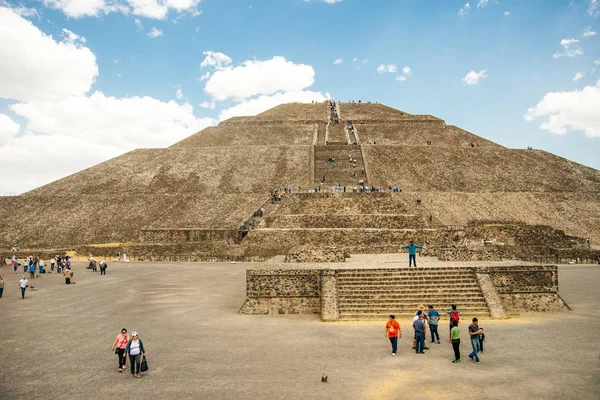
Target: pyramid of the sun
[208,184]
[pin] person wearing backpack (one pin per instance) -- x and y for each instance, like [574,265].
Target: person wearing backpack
[103,266]
[455,340]
[454,315]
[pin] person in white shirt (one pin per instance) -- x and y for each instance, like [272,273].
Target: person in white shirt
[23,283]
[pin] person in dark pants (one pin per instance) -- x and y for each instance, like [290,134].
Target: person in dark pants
[68,275]
[434,318]
[455,340]
[393,332]
[120,344]
[412,253]
[23,283]
[103,267]
[135,350]
[1,285]
[481,340]
[420,332]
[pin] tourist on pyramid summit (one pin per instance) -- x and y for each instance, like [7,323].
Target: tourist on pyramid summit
[393,332]
[412,253]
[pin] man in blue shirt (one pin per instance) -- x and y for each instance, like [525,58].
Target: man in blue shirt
[412,253]
[434,318]
[420,332]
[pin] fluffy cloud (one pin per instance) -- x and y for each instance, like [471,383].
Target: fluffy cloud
[154,33]
[215,60]
[473,78]
[565,111]
[571,48]
[588,32]
[401,78]
[263,103]
[256,77]
[578,76]
[44,69]
[506,13]
[482,3]
[465,10]
[338,61]
[61,118]
[597,62]
[179,94]
[21,10]
[406,70]
[8,129]
[593,8]
[155,9]
[126,123]
[387,68]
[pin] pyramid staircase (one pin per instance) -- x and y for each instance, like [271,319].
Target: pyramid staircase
[377,293]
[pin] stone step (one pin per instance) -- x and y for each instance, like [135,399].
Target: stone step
[408,285]
[394,310]
[413,296]
[402,305]
[404,272]
[399,315]
[421,279]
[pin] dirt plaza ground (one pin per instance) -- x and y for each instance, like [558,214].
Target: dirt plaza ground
[56,344]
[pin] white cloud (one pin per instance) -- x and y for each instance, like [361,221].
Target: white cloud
[179,94]
[215,60]
[154,33]
[154,9]
[406,71]
[597,62]
[387,68]
[256,77]
[44,69]
[506,13]
[338,61]
[589,32]
[138,24]
[465,10]
[572,49]
[72,38]
[472,78]
[578,76]
[482,3]
[359,61]
[570,111]
[8,129]
[264,102]
[326,1]
[86,8]
[21,10]
[205,76]
[208,104]
[401,78]
[593,8]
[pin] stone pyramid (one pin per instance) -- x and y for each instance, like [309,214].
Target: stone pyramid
[193,196]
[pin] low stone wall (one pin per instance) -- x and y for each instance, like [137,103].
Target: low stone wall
[309,254]
[527,288]
[185,235]
[283,291]
[372,221]
[309,291]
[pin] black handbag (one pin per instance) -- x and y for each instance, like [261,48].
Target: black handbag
[144,366]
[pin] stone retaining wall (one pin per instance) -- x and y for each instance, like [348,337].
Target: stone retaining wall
[309,291]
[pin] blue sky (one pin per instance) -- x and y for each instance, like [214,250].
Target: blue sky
[535,69]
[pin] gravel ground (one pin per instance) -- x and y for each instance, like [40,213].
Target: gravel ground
[56,344]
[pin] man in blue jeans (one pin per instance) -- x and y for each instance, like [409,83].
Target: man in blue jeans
[434,318]
[420,332]
[412,253]
[474,333]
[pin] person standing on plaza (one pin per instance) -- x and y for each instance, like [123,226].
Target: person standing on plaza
[32,271]
[454,315]
[23,283]
[420,332]
[434,318]
[120,344]
[474,333]
[393,332]
[102,267]
[1,285]
[455,340]
[481,340]
[135,350]
[68,275]
[52,263]
[412,253]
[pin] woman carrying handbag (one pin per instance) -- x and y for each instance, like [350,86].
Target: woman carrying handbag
[119,348]
[135,350]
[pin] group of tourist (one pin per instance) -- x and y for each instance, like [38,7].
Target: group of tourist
[93,265]
[430,318]
[133,347]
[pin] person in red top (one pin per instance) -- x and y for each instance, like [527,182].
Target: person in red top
[120,344]
[393,332]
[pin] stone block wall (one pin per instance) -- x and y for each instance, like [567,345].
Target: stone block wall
[284,291]
[186,235]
